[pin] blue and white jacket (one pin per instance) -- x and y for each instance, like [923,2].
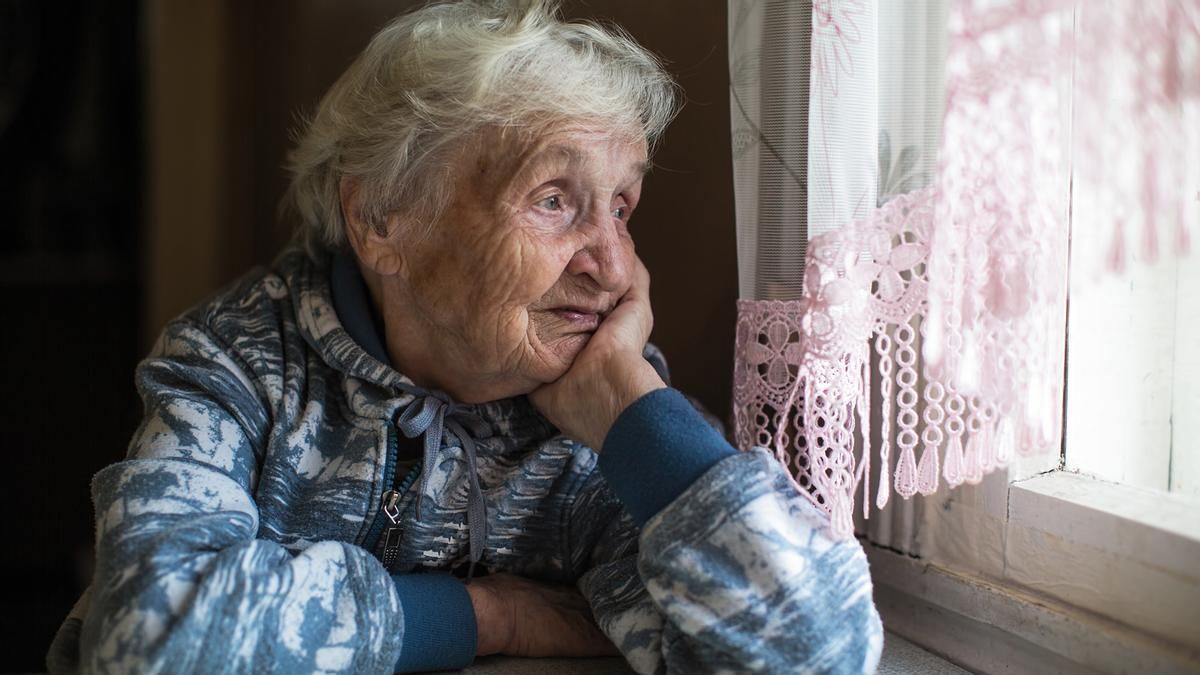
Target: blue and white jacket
[266,518]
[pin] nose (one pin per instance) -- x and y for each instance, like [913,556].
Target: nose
[605,254]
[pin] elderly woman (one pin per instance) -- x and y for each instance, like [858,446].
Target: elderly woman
[437,431]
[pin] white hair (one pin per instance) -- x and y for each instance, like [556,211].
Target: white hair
[434,78]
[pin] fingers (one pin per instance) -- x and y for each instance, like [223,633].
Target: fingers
[493,616]
[647,317]
[608,374]
[586,638]
[547,620]
[634,306]
[641,278]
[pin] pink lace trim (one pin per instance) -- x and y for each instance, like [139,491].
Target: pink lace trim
[966,382]
[797,390]
[957,290]
[1137,67]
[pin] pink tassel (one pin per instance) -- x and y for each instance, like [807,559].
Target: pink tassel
[987,450]
[952,471]
[927,471]
[885,491]
[1116,251]
[864,416]
[1030,441]
[971,466]
[906,474]
[885,482]
[839,516]
[1004,444]
[1149,206]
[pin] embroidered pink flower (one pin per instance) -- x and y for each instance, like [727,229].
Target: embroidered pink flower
[777,348]
[835,29]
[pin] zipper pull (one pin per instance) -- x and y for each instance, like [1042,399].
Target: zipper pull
[391,535]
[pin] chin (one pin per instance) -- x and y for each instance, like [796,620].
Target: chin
[562,356]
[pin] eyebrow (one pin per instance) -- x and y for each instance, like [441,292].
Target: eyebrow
[571,154]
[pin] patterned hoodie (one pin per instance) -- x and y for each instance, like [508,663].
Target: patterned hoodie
[275,513]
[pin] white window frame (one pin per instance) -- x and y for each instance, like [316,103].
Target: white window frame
[1053,572]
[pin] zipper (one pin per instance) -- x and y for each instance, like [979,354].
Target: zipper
[389,476]
[392,533]
[386,525]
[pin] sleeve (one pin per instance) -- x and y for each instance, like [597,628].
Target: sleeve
[701,559]
[183,585]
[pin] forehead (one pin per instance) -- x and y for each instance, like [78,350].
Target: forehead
[582,147]
[506,157]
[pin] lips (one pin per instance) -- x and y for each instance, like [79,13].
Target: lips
[582,318]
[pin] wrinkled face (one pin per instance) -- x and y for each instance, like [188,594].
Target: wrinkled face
[531,254]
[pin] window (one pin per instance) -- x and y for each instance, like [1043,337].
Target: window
[1090,559]
[1133,369]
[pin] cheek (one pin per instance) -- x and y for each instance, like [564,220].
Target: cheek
[481,287]
[515,270]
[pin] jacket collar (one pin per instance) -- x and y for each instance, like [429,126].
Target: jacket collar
[308,277]
[352,303]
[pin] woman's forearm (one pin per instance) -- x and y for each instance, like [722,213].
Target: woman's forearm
[183,585]
[740,567]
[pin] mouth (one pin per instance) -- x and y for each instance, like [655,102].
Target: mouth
[580,318]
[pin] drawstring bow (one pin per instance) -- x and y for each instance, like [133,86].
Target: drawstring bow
[431,413]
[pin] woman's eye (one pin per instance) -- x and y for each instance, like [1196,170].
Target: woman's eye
[552,203]
[621,212]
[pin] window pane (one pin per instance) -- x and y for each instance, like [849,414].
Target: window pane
[1120,366]
[1185,416]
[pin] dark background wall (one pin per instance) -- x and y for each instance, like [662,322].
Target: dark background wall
[281,55]
[143,145]
[70,213]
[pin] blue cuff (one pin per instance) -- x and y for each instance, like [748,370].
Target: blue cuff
[439,623]
[656,449]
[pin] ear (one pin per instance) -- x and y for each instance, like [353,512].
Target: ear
[376,247]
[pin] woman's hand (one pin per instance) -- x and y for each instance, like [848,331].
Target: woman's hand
[519,617]
[608,375]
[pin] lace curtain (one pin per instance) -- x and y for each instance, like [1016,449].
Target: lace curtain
[903,175]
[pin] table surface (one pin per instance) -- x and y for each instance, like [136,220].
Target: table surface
[899,658]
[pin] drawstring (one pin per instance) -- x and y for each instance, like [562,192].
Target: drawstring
[429,414]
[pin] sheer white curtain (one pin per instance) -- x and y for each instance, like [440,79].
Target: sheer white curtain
[903,180]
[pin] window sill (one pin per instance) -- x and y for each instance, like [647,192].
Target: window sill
[1096,577]
[1122,552]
